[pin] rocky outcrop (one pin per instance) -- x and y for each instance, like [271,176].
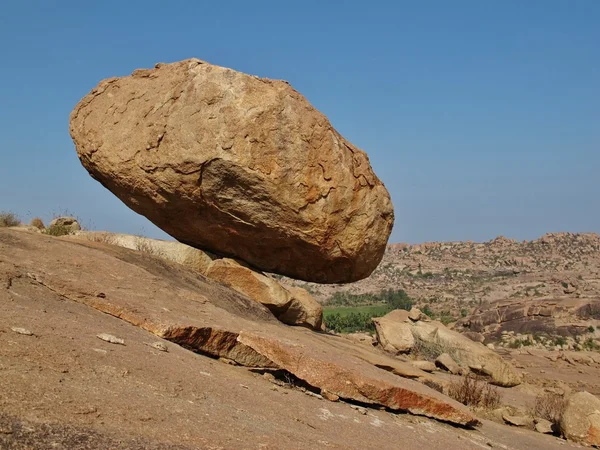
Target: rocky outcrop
[543,318]
[446,362]
[173,303]
[237,165]
[432,339]
[580,421]
[293,306]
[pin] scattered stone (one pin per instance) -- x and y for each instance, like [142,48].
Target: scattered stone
[360,409]
[518,421]
[394,332]
[246,167]
[110,338]
[446,362]
[543,426]
[329,395]
[426,366]
[580,421]
[159,346]
[23,331]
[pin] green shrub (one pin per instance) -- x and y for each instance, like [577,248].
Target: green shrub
[350,323]
[8,219]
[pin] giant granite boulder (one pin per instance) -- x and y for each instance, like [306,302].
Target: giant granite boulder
[237,165]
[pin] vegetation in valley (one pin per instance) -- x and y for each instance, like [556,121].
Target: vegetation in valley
[349,313]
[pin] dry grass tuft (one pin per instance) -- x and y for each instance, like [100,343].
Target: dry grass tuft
[8,219]
[549,406]
[103,237]
[57,230]
[38,223]
[473,391]
[145,246]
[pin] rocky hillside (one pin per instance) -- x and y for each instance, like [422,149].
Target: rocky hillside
[457,279]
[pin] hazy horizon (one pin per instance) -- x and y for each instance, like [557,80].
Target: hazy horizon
[482,119]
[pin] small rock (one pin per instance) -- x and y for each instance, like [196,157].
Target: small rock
[110,338]
[543,426]
[414,314]
[517,421]
[268,376]
[23,331]
[329,395]
[360,409]
[426,366]
[446,362]
[159,346]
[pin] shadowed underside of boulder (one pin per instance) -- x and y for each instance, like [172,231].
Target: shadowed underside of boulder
[237,165]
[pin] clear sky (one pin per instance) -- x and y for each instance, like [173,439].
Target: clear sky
[481,117]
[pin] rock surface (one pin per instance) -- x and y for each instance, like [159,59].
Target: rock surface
[237,165]
[397,330]
[393,331]
[446,362]
[467,353]
[293,306]
[64,387]
[175,304]
[580,421]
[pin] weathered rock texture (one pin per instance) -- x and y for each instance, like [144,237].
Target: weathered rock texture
[237,165]
[580,421]
[173,303]
[392,337]
[397,332]
[293,306]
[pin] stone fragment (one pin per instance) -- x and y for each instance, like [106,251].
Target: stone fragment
[446,362]
[110,338]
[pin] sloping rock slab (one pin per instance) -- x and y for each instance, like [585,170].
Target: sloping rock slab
[178,304]
[341,377]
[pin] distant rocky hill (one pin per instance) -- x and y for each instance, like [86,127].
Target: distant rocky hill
[457,279]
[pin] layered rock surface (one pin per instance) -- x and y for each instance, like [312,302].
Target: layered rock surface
[293,306]
[175,304]
[397,331]
[236,165]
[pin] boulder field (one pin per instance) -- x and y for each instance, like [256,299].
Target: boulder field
[237,165]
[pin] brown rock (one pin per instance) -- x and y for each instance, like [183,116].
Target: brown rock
[467,352]
[303,310]
[393,331]
[446,362]
[518,421]
[580,421]
[173,303]
[426,366]
[543,426]
[295,307]
[237,165]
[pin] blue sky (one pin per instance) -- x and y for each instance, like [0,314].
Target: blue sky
[481,117]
